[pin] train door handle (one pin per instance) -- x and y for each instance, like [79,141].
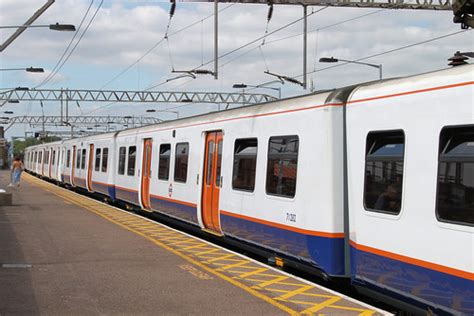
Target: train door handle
[222,181]
[197,179]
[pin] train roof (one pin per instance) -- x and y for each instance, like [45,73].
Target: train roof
[297,102]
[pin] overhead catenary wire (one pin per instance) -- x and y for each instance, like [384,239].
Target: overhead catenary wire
[77,43]
[158,43]
[246,45]
[391,50]
[68,46]
[299,34]
[331,25]
[384,53]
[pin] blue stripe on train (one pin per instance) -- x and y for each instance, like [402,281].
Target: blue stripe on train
[101,188]
[412,281]
[325,253]
[185,212]
[80,182]
[127,196]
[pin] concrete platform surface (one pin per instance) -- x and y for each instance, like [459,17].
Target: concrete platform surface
[62,253]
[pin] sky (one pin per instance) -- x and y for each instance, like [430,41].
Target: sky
[112,53]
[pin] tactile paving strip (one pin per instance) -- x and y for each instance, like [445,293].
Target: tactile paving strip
[288,293]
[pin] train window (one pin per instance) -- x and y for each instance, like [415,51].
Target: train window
[210,155]
[78,159]
[245,164]
[83,159]
[97,159]
[164,163]
[68,158]
[41,157]
[105,157]
[132,153]
[121,164]
[384,171]
[54,157]
[282,165]
[46,157]
[455,194]
[181,162]
[219,163]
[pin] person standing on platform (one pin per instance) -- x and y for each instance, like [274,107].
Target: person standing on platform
[17,169]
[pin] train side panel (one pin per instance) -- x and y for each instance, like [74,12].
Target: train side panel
[394,143]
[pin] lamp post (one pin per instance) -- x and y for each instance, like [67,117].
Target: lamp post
[29,69]
[243,86]
[54,27]
[335,60]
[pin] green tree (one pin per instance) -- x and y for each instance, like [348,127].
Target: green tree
[20,145]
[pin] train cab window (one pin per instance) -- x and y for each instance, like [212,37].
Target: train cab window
[83,159]
[455,193]
[245,164]
[164,163]
[97,159]
[78,159]
[181,162]
[68,158]
[282,165]
[384,171]
[121,162]
[132,153]
[105,157]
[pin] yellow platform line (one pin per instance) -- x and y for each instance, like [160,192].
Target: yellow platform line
[270,282]
[191,260]
[193,247]
[247,274]
[238,264]
[207,252]
[296,292]
[347,308]
[190,240]
[221,258]
[318,307]
[227,262]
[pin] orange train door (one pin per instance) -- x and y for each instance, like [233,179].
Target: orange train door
[212,181]
[146,173]
[73,164]
[89,167]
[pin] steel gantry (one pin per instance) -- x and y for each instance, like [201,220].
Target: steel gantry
[80,121]
[132,96]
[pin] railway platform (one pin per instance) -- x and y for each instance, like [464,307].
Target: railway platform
[64,253]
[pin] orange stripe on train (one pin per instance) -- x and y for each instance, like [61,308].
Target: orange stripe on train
[285,227]
[417,262]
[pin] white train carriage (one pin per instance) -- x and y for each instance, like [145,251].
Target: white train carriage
[374,182]
[411,187]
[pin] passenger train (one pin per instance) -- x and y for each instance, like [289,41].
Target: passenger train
[373,183]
